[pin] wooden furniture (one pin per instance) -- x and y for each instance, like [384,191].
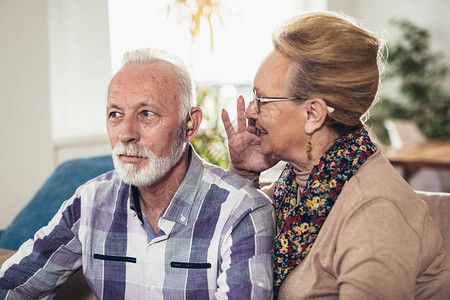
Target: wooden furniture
[431,153]
[434,153]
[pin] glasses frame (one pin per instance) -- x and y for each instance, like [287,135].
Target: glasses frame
[258,100]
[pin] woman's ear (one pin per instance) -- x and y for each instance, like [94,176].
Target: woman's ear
[316,113]
[193,124]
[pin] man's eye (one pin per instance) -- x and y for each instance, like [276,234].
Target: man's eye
[147,113]
[114,114]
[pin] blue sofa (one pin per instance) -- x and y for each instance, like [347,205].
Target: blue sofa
[59,187]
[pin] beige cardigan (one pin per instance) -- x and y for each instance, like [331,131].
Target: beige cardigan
[378,242]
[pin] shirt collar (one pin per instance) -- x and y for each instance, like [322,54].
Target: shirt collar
[179,207]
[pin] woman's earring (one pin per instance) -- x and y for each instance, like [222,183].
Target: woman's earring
[308,146]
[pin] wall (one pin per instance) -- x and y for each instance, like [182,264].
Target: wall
[26,151]
[80,66]
[54,55]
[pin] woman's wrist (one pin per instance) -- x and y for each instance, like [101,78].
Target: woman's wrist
[252,176]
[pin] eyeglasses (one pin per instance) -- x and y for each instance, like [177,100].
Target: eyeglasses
[258,100]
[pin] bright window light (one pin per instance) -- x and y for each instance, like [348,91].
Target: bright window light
[81,66]
[242,37]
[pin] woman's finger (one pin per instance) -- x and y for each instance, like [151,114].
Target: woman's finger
[229,129]
[242,122]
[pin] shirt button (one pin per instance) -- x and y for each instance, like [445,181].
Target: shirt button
[183,218]
[152,286]
[260,284]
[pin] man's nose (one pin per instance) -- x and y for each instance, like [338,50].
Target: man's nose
[130,130]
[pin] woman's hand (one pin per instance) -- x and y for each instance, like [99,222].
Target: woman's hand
[244,144]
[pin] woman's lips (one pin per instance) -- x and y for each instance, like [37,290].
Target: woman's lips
[260,132]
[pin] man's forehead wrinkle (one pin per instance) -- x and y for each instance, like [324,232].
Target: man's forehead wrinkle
[153,85]
[145,88]
[144,99]
[137,103]
[142,82]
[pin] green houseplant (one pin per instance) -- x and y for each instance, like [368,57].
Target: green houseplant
[194,12]
[210,141]
[419,73]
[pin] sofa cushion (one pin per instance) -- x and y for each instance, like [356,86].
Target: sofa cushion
[60,186]
[439,207]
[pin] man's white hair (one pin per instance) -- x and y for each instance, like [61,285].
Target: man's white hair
[186,84]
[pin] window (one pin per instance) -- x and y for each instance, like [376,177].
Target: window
[242,38]
[90,37]
[240,42]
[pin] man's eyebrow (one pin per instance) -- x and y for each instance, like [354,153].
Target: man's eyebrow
[142,103]
[112,106]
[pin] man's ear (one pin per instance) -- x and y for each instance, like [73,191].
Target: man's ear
[316,113]
[193,124]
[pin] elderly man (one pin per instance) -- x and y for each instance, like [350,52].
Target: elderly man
[164,223]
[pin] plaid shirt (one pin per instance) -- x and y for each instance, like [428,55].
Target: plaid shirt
[215,241]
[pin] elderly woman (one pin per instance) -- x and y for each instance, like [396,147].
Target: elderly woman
[348,226]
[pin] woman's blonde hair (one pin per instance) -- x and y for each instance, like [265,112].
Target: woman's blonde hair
[334,59]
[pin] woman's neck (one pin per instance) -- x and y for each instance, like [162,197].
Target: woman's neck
[321,141]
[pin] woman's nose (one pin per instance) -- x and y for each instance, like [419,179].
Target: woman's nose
[251,113]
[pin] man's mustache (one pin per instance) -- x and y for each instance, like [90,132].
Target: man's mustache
[131,149]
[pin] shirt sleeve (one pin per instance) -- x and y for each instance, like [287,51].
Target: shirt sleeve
[43,263]
[246,268]
[377,254]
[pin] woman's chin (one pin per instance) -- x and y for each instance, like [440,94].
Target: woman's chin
[267,151]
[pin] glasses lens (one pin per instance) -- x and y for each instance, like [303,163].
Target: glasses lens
[256,101]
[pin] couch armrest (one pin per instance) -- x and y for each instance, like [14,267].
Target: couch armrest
[5,254]
[439,208]
[75,288]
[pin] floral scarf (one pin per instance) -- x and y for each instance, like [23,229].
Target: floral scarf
[299,221]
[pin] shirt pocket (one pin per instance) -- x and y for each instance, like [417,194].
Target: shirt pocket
[115,258]
[186,265]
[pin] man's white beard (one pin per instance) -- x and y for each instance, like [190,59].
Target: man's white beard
[156,167]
